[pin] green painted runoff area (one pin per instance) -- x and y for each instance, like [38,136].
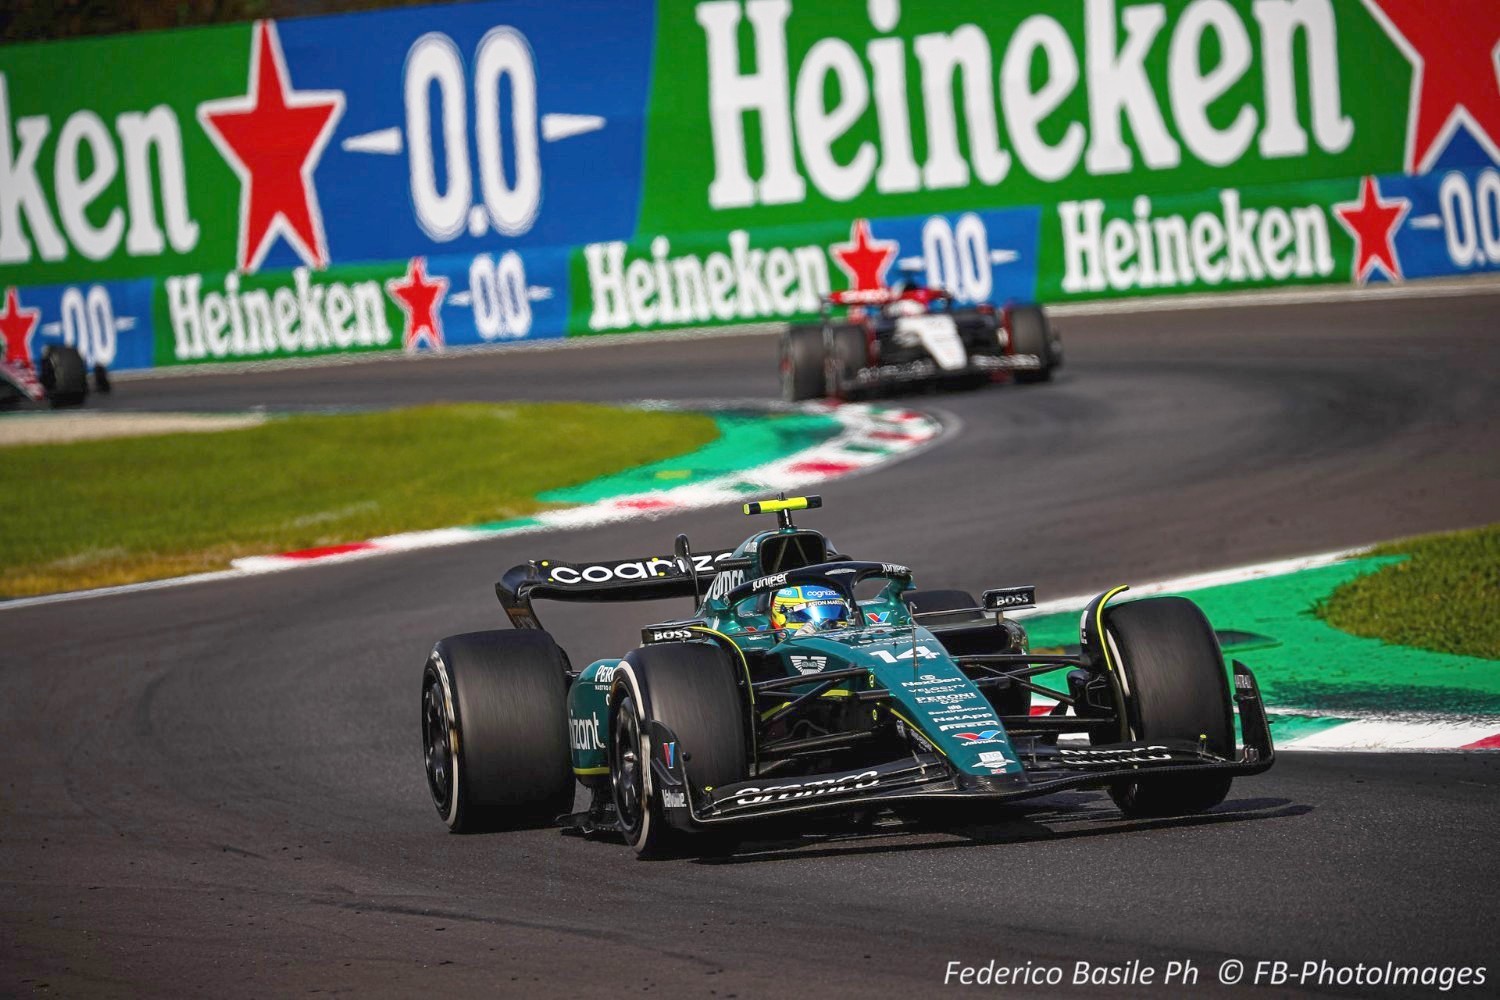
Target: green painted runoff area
[1308,664]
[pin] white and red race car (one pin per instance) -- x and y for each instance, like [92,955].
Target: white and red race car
[60,380]
[907,334]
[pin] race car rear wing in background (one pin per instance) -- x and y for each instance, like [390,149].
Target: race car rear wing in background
[648,579]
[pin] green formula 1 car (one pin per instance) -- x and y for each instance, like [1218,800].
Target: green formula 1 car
[807,682]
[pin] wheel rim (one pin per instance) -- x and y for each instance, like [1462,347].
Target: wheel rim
[437,743]
[627,771]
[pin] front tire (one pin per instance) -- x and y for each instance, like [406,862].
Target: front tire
[1175,688]
[495,730]
[692,689]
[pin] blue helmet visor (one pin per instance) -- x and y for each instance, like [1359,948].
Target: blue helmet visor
[820,606]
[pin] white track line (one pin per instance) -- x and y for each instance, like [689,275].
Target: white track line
[1199,581]
[1395,734]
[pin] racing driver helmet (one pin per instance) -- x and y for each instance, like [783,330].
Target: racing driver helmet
[809,608]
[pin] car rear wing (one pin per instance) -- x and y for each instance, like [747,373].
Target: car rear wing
[883,296]
[646,579]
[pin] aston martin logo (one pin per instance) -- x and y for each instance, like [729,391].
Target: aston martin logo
[809,664]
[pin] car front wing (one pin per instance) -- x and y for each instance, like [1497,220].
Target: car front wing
[929,776]
[925,369]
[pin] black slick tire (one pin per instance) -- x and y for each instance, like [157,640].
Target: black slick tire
[1031,333]
[802,365]
[64,376]
[495,730]
[1175,687]
[848,352]
[692,689]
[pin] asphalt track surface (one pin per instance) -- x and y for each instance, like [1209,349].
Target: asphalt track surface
[217,790]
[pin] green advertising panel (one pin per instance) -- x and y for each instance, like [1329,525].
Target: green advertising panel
[484,173]
[109,174]
[778,111]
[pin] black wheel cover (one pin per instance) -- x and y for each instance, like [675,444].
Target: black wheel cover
[437,743]
[627,769]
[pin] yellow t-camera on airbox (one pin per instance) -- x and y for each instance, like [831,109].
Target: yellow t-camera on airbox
[783,503]
[783,506]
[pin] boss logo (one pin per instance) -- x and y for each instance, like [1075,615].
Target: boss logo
[1011,597]
[667,634]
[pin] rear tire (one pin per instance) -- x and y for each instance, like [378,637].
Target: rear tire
[1031,333]
[64,376]
[850,351]
[1175,688]
[495,731]
[691,688]
[802,365]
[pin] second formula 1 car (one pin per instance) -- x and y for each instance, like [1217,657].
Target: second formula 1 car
[60,380]
[913,334]
[808,682]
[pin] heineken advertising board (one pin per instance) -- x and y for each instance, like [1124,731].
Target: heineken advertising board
[484,173]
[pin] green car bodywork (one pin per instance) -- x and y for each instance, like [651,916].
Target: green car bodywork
[930,695]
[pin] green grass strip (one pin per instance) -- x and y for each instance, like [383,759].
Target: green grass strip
[98,513]
[1445,597]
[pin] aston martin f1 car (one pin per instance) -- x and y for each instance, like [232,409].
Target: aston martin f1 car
[60,380]
[809,682]
[913,334]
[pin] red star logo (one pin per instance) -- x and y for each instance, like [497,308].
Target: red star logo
[17,325]
[1373,223]
[1453,47]
[863,258]
[421,298]
[273,137]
